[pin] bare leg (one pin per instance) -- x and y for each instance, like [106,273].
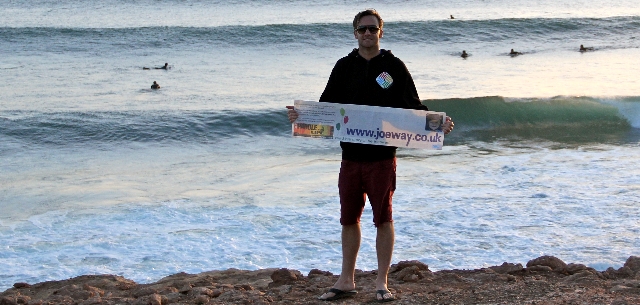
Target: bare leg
[384,248]
[351,236]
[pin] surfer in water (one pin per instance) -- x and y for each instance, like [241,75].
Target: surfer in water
[464,54]
[451,17]
[155,85]
[165,67]
[514,53]
[583,49]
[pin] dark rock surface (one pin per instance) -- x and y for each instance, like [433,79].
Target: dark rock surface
[545,280]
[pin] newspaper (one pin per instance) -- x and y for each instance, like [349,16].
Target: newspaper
[369,124]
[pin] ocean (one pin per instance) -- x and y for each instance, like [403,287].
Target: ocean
[99,174]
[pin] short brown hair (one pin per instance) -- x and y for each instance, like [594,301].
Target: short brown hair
[368,12]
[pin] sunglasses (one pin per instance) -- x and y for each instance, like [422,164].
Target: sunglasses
[372,29]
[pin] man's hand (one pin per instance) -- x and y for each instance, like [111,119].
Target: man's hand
[293,114]
[447,127]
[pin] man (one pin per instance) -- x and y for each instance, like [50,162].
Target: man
[155,85]
[368,170]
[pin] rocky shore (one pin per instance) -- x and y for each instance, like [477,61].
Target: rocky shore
[544,280]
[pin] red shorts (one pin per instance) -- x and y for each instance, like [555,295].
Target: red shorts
[375,180]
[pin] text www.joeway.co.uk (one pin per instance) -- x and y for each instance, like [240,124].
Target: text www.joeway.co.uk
[380,134]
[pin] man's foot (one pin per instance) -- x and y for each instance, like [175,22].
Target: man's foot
[336,294]
[384,296]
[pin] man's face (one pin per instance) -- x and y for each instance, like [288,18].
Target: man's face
[368,39]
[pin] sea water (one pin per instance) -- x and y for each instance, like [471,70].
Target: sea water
[100,174]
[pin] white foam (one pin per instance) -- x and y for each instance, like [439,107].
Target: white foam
[467,210]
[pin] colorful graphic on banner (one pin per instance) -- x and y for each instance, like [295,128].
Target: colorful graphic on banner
[369,124]
[313,130]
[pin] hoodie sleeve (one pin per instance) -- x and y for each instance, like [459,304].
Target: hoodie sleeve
[334,90]
[410,93]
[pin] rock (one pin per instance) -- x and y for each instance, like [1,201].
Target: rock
[154,299]
[173,297]
[21,285]
[143,292]
[577,276]
[619,288]
[550,261]
[8,301]
[196,291]
[409,274]
[633,263]
[23,299]
[169,289]
[126,285]
[60,300]
[245,287]
[201,299]
[411,278]
[185,288]
[610,273]
[575,268]
[507,268]
[175,277]
[581,285]
[540,268]
[96,291]
[621,302]
[486,277]
[627,283]
[285,276]
[433,289]
[414,263]
[75,292]
[625,272]
[91,301]
[319,272]
[284,289]
[231,296]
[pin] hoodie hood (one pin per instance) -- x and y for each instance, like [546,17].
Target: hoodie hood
[383,53]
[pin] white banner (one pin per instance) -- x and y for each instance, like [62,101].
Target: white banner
[369,124]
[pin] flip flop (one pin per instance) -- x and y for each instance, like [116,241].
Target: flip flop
[338,294]
[384,296]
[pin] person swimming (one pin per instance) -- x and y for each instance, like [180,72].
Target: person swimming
[583,49]
[155,85]
[165,67]
[464,54]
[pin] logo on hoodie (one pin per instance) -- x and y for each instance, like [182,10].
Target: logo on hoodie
[384,80]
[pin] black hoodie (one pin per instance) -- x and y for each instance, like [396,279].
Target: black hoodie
[354,81]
